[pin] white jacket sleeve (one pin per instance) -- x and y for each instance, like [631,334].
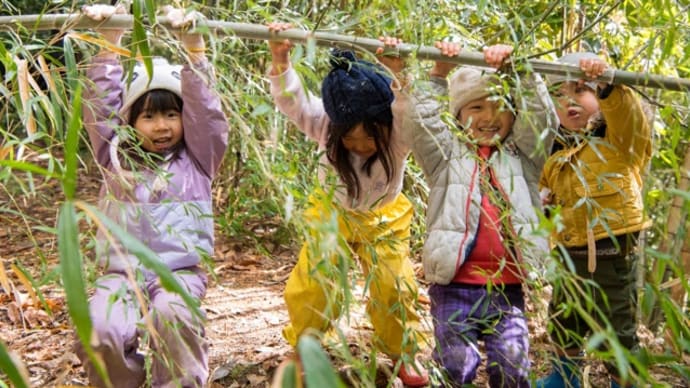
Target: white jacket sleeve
[429,137]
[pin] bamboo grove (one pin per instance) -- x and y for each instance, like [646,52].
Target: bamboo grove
[269,167]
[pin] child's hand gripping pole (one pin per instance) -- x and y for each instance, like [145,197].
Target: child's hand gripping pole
[183,22]
[102,12]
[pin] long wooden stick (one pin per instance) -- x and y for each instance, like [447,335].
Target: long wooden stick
[260,32]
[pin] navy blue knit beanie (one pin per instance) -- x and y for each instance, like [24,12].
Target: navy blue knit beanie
[355,91]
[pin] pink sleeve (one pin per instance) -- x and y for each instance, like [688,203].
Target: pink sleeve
[300,106]
[399,140]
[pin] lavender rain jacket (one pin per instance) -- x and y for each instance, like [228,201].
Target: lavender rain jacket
[169,210]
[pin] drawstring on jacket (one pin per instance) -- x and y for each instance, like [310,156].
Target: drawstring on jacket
[127,178]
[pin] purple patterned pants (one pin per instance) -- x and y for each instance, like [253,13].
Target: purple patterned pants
[464,314]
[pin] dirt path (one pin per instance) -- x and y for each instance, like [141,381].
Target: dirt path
[244,307]
[244,304]
[245,318]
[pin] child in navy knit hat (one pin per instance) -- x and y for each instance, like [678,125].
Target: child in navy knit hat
[355,129]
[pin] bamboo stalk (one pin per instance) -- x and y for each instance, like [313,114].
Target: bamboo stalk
[25,94]
[260,32]
[677,247]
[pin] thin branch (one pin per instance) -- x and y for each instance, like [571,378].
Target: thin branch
[577,36]
[591,25]
[261,32]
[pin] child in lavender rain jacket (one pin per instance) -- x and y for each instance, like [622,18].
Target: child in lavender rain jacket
[157,186]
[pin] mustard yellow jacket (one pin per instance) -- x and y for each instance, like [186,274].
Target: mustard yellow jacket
[598,182]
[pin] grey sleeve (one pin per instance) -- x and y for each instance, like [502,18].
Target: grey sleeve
[423,127]
[536,121]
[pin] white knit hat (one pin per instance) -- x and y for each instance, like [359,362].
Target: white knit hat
[469,84]
[572,59]
[165,76]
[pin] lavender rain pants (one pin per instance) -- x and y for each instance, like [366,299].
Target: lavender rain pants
[179,354]
[464,314]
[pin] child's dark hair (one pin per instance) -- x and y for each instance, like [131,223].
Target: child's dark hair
[339,156]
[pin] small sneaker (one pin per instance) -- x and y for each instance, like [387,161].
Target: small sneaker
[413,375]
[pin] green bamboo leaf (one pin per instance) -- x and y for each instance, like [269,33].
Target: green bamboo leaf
[70,64]
[69,178]
[57,109]
[596,340]
[262,109]
[151,11]
[140,40]
[71,267]
[148,259]
[27,167]
[289,379]
[11,370]
[681,193]
[75,287]
[318,371]
[621,359]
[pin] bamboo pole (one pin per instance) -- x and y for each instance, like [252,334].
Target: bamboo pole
[677,246]
[260,32]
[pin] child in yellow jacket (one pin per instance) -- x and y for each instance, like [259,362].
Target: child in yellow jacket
[595,177]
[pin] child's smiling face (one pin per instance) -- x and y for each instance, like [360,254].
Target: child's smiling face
[159,131]
[488,121]
[575,104]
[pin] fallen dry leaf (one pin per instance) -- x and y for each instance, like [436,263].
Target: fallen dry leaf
[14,313]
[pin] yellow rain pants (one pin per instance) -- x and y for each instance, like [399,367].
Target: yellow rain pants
[380,238]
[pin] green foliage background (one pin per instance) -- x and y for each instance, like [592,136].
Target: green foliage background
[270,167]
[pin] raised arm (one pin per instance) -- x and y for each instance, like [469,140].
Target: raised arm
[422,109]
[422,127]
[627,125]
[390,59]
[205,124]
[300,106]
[103,94]
[536,120]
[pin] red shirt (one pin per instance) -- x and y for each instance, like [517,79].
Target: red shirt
[489,261]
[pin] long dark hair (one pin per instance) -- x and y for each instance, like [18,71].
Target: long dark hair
[339,156]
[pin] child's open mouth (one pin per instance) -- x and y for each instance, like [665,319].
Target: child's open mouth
[162,143]
[488,129]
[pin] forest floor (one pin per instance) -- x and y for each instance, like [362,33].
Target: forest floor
[244,305]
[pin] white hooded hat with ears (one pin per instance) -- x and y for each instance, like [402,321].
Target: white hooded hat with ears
[165,76]
[469,84]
